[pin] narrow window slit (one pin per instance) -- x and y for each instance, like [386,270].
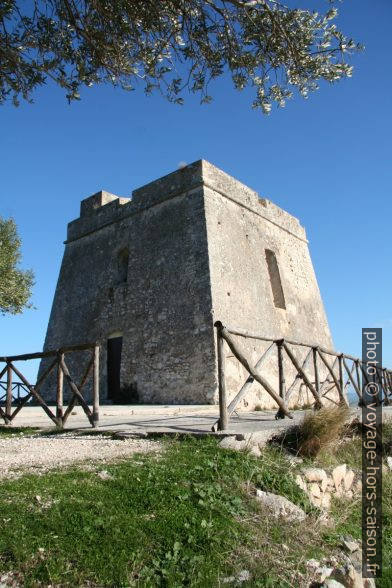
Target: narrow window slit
[122,266]
[275,281]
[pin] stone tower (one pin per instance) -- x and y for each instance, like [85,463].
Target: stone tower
[147,278]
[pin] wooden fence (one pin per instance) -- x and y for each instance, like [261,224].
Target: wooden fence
[56,362]
[19,391]
[341,372]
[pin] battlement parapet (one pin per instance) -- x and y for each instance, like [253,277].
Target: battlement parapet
[104,208]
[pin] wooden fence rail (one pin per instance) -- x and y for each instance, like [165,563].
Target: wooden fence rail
[340,372]
[56,362]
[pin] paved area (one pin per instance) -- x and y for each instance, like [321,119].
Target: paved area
[164,419]
[156,418]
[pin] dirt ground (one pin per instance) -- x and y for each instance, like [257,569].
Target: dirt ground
[36,454]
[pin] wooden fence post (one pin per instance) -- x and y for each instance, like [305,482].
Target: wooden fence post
[386,386]
[341,381]
[389,381]
[8,402]
[223,416]
[96,386]
[282,383]
[316,371]
[359,382]
[60,391]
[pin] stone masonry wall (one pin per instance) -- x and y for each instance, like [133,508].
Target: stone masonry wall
[196,241]
[163,309]
[240,227]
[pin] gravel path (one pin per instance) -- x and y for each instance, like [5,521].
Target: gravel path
[33,454]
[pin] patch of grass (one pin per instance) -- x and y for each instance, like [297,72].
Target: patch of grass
[274,474]
[10,431]
[54,432]
[387,437]
[386,580]
[318,430]
[184,518]
[348,451]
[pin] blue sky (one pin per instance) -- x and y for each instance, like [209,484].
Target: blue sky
[327,160]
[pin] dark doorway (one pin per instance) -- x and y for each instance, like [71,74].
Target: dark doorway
[113,367]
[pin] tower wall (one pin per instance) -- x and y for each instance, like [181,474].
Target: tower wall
[198,246]
[241,227]
[163,309]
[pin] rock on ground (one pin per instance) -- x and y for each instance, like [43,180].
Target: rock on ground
[331,583]
[252,442]
[320,486]
[351,578]
[240,578]
[279,506]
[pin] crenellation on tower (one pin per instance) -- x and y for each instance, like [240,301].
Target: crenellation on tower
[95,212]
[174,184]
[92,203]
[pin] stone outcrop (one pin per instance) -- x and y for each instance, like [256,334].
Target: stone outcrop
[344,572]
[321,486]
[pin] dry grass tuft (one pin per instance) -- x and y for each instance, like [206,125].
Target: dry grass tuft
[320,429]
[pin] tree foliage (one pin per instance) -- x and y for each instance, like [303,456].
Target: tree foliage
[15,284]
[169,46]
